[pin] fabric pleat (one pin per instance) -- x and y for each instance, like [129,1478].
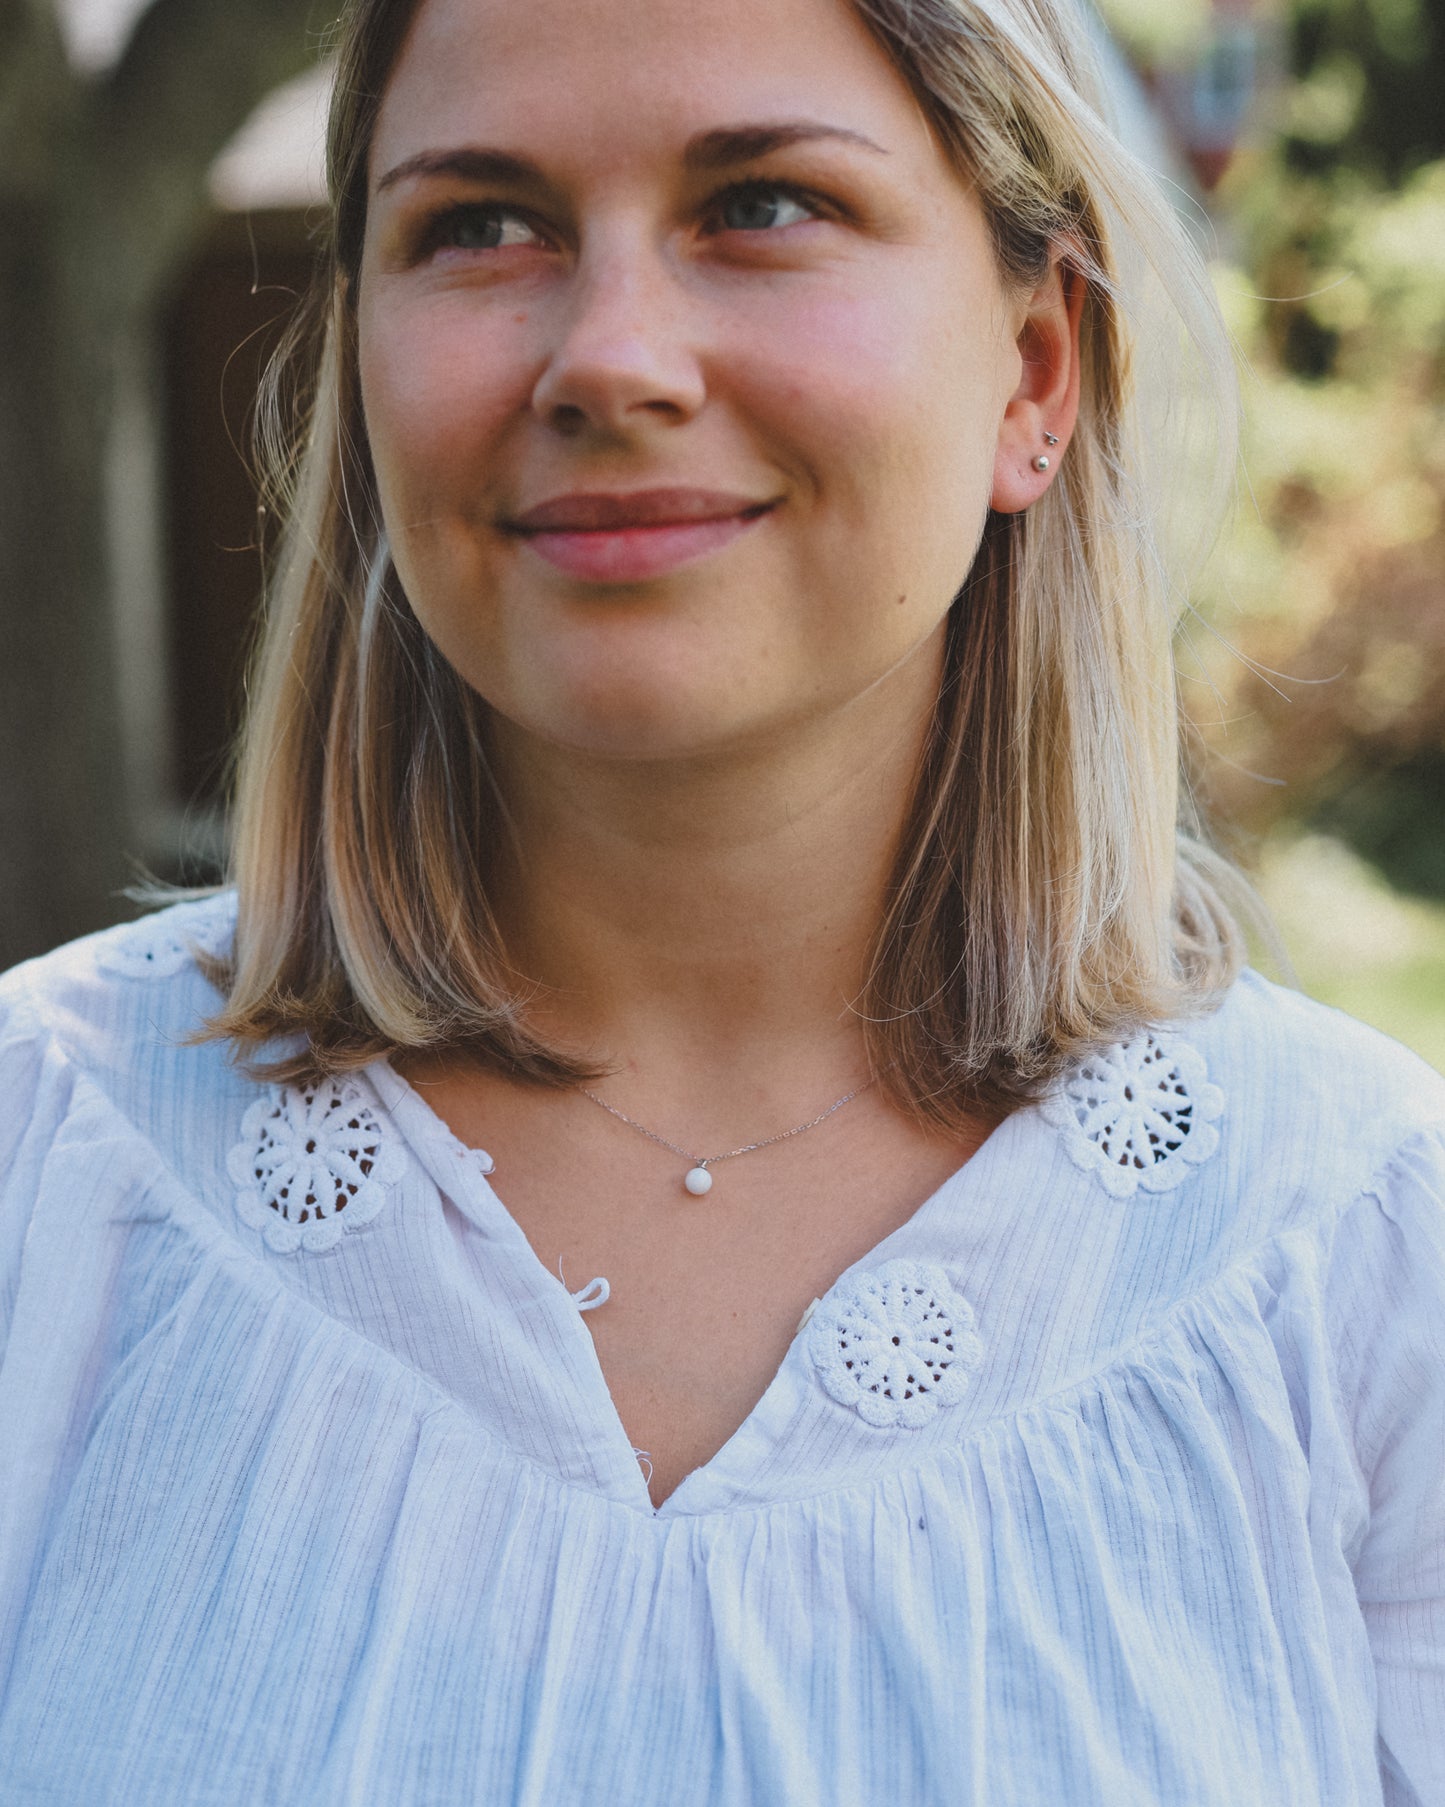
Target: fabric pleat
[362,1526]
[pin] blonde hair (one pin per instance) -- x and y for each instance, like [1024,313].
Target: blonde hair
[1043,901]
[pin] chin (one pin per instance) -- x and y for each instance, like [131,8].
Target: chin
[630,695]
[651,731]
[621,715]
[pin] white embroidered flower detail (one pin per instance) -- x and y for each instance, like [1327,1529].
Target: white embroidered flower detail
[312,1162]
[895,1342]
[1141,1113]
[159,946]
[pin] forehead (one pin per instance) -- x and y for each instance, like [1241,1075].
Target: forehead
[595,78]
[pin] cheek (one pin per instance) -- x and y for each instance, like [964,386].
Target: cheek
[889,412]
[436,392]
[882,386]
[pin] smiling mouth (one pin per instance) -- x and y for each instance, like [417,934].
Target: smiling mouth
[604,538]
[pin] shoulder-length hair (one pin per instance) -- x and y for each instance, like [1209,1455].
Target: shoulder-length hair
[1043,900]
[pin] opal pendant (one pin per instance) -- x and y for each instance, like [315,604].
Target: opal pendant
[698,1181]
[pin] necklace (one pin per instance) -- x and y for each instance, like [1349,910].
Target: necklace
[697,1179]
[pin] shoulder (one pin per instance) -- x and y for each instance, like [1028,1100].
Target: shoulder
[1248,1142]
[102,1079]
[145,971]
[1266,1114]
[1262,1105]
[114,1018]
[1314,1110]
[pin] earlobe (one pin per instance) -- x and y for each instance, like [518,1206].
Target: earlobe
[1039,417]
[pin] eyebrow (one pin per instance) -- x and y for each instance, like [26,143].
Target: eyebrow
[746,143]
[718,149]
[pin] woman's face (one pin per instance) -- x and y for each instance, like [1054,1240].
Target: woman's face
[684,359]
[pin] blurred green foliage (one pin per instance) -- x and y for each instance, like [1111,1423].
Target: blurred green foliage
[1367,92]
[1318,686]
[1314,664]
[1357,943]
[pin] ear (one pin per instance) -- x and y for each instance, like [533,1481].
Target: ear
[1046,400]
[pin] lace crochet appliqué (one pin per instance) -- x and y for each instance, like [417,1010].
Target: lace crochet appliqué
[1142,1113]
[896,1343]
[159,946]
[312,1163]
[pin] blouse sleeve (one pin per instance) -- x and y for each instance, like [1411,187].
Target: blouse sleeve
[1387,1300]
[35,1085]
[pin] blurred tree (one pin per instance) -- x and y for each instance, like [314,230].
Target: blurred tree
[102,191]
[1369,87]
[1315,667]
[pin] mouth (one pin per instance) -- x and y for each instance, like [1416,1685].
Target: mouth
[614,538]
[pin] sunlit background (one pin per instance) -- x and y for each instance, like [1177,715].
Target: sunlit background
[1316,676]
[159,174]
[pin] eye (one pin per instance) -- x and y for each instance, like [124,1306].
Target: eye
[479,226]
[762,206]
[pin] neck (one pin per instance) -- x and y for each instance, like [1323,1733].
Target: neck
[695,916]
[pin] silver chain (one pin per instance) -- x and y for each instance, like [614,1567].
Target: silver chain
[712,1160]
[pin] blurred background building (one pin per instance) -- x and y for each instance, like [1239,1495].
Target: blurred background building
[160,170]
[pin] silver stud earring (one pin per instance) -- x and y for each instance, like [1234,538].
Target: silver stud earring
[1041,463]
[1051,439]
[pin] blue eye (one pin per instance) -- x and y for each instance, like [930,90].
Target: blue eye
[758,207]
[478,226]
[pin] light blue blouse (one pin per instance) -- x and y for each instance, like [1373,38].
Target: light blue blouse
[1116,1475]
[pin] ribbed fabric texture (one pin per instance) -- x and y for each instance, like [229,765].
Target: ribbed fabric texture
[344,1514]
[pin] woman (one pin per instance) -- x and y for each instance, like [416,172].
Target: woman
[711,785]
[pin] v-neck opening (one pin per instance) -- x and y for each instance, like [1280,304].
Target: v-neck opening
[467,1183]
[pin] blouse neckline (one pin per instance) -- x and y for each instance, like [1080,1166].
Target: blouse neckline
[463,1172]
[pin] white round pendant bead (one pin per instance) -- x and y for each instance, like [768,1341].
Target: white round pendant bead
[698,1181]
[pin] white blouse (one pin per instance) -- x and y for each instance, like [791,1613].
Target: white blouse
[1115,1475]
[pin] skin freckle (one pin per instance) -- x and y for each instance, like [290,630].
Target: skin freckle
[818,368]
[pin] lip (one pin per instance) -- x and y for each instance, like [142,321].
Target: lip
[625,538]
[602,511]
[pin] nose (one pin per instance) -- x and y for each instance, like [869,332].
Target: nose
[622,357]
